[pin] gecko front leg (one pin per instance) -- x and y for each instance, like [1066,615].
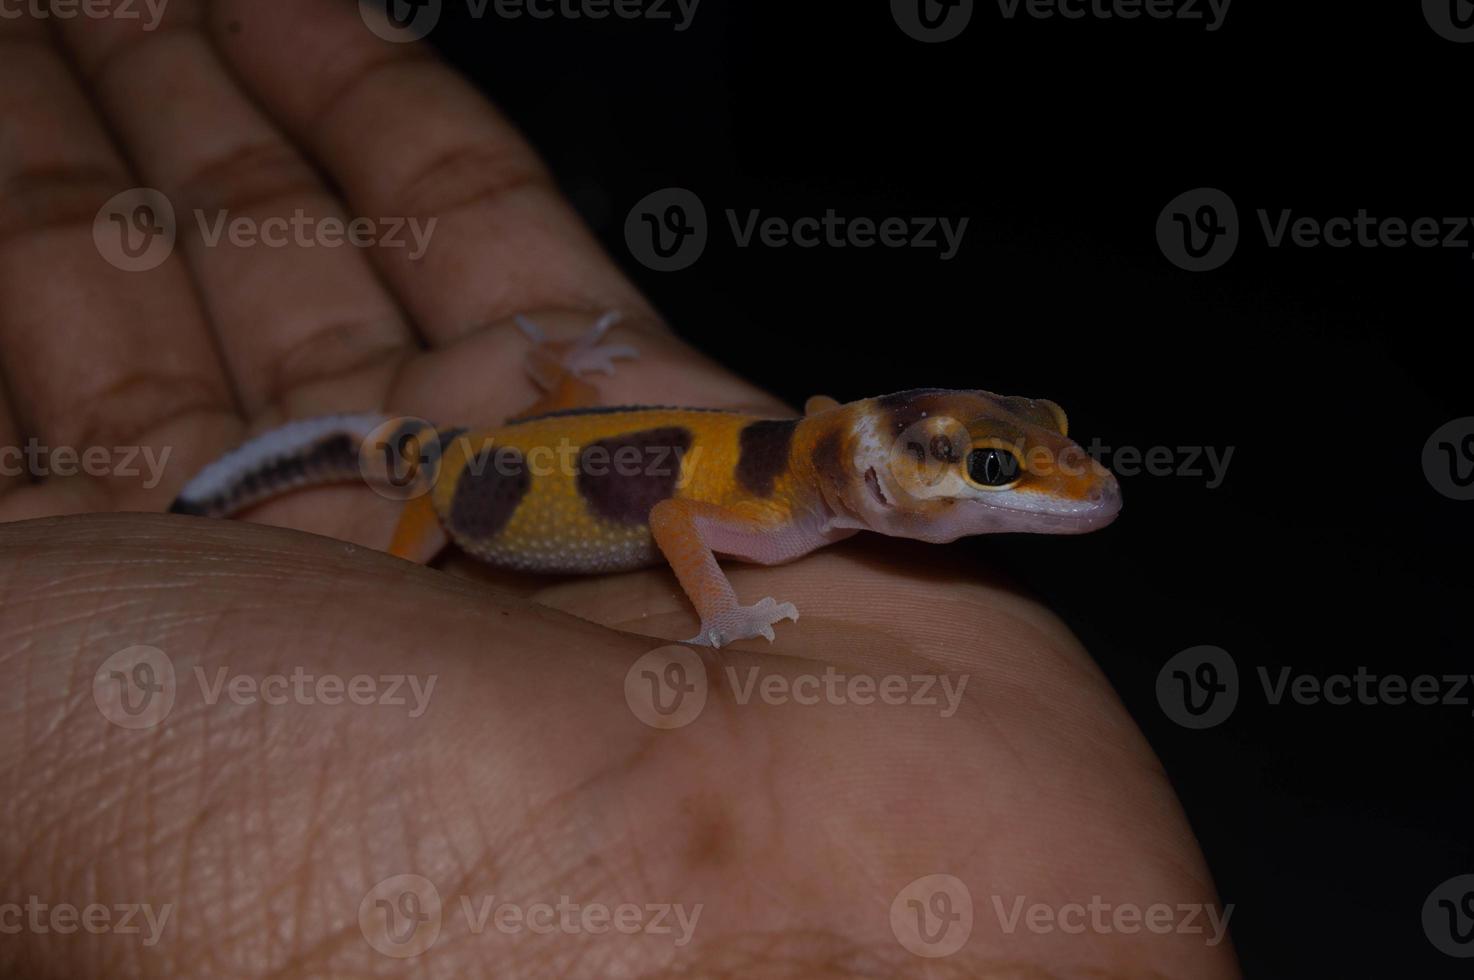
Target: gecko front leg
[689,532]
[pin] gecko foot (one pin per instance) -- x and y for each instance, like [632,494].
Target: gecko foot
[744,622]
[584,354]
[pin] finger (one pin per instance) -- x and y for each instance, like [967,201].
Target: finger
[302,323]
[93,355]
[405,136]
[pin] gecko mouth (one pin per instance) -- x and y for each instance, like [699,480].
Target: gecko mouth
[873,482]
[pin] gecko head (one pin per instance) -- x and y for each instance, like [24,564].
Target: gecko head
[938,465]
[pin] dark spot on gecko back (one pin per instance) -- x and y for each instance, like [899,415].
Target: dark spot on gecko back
[488,492]
[828,462]
[764,451]
[623,476]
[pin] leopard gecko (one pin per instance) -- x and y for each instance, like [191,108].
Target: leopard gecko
[568,486]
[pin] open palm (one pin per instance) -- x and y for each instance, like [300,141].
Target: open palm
[807,817]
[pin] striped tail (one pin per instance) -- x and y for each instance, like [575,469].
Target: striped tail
[303,453]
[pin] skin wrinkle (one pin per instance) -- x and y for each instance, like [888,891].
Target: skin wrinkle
[301,880]
[319,117]
[498,172]
[54,198]
[251,177]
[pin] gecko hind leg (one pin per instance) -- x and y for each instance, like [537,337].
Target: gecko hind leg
[419,535]
[558,366]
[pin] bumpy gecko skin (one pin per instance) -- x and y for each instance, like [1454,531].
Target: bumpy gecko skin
[568,487]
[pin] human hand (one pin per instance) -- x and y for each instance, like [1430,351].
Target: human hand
[528,773]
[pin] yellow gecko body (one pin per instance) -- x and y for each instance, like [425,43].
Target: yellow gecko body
[591,490]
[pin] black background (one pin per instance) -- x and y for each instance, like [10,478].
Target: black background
[1325,370]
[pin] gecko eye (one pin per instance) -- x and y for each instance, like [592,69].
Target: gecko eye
[992,467]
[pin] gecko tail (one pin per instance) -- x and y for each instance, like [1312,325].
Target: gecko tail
[301,453]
